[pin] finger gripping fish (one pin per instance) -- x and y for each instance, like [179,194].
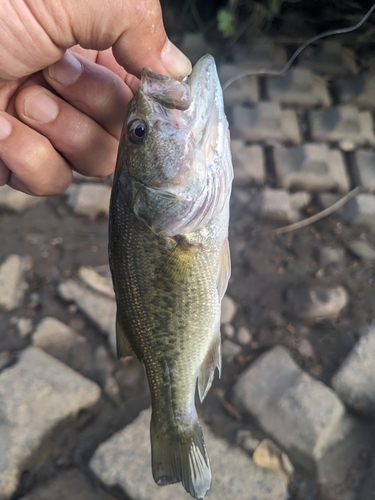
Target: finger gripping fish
[169,256]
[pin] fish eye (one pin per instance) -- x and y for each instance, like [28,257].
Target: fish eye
[137,131]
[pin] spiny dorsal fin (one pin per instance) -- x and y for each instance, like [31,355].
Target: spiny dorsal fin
[224,269]
[124,347]
[210,363]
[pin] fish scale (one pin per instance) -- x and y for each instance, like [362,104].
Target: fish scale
[169,285]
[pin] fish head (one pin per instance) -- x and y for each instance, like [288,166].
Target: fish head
[174,159]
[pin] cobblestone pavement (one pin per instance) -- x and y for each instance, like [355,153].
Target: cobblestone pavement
[295,409]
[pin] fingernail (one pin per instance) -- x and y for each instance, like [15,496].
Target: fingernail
[41,108]
[174,61]
[5,128]
[67,70]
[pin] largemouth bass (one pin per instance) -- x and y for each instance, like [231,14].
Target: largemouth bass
[169,256]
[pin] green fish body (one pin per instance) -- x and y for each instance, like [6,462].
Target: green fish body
[169,256]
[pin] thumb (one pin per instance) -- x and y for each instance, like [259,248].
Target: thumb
[134,29]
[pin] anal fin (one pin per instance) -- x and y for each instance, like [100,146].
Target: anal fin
[124,347]
[210,363]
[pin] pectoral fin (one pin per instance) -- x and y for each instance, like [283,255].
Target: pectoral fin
[124,347]
[224,269]
[210,363]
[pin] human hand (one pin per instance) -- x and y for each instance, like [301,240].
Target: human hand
[42,135]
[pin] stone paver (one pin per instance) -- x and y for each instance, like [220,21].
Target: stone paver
[69,485]
[266,122]
[12,281]
[38,395]
[89,199]
[311,167]
[298,87]
[124,462]
[15,201]
[316,303]
[343,124]
[358,90]
[360,210]
[248,163]
[259,54]
[300,413]
[329,58]
[243,90]
[364,169]
[354,382]
[279,205]
[99,309]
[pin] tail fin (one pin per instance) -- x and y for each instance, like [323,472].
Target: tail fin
[180,458]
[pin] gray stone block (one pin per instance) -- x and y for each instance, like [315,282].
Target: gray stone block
[343,124]
[248,163]
[311,167]
[361,249]
[234,475]
[38,395]
[329,58]
[354,382]
[69,485]
[266,122]
[89,200]
[300,413]
[360,210]
[279,205]
[15,201]
[99,309]
[298,87]
[358,90]
[259,54]
[12,281]
[364,169]
[244,90]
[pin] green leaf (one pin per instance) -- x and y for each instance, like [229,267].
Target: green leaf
[226,22]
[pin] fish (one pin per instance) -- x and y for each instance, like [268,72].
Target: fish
[169,256]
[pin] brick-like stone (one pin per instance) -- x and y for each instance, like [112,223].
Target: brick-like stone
[354,382]
[358,90]
[248,163]
[359,210]
[266,122]
[279,205]
[361,249]
[329,58]
[259,54]
[300,413]
[234,474]
[298,87]
[12,200]
[12,281]
[38,396]
[343,124]
[99,309]
[89,199]
[311,167]
[241,91]
[364,169]
[69,485]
